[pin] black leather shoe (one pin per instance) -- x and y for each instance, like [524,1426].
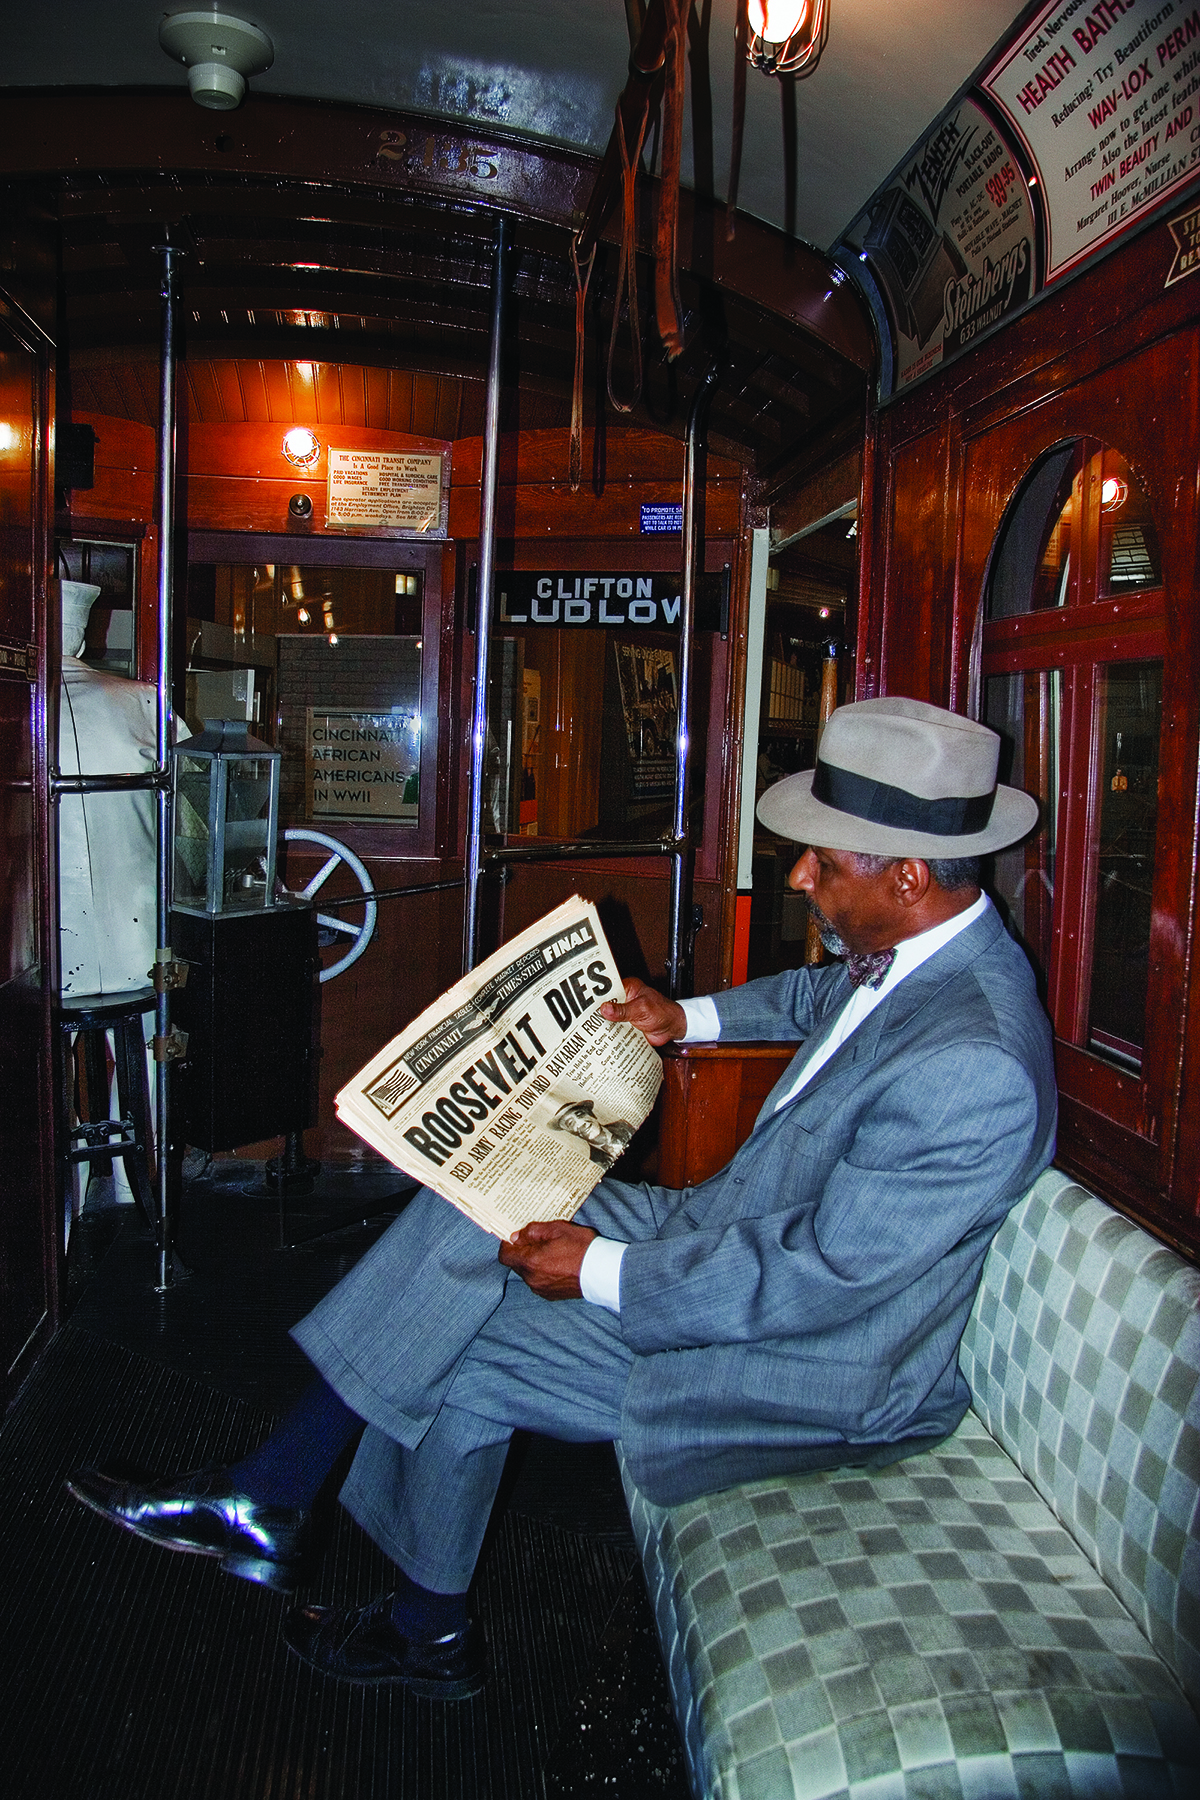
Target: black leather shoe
[361,1644]
[203,1515]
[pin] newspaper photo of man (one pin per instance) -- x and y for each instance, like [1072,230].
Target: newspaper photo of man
[605,1142]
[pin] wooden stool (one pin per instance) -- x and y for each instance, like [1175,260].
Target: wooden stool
[97,1137]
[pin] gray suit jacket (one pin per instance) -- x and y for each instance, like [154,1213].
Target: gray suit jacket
[804,1306]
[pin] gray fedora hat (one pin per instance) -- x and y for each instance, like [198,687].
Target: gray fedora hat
[898,777]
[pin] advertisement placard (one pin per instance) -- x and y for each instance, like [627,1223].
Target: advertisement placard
[1105,97]
[950,241]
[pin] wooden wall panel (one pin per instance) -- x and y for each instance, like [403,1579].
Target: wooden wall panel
[243,451]
[628,454]
[632,898]
[535,499]
[711,1096]
[1113,355]
[549,509]
[416,953]
[919,576]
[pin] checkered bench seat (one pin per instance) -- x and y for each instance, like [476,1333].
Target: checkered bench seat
[1016,1613]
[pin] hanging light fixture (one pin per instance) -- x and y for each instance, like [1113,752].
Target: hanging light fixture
[778,37]
[787,37]
[219,50]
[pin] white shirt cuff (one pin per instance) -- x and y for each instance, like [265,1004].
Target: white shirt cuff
[600,1273]
[703,1021]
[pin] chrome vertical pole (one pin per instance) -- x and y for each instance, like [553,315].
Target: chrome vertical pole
[692,554]
[483,607]
[165,523]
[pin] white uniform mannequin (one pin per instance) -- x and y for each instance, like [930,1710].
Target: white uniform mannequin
[107,884]
[107,726]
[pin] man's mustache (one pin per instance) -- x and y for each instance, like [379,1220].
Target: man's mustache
[827,931]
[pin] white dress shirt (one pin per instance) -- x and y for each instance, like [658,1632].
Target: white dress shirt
[600,1272]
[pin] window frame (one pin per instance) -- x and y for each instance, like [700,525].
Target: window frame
[434,827]
[1079,639]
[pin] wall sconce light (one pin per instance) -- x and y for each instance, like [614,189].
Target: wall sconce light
[218,50]
[1113,493]
[300,446]
[787,36]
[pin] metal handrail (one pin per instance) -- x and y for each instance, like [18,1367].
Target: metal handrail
[164,797]
[569,850]
[483,613]
[579,850]
[148,783]
[678,954]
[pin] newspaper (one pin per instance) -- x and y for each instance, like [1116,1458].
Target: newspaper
[511,1096]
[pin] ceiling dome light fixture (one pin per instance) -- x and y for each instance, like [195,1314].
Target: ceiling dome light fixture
[301,447]
[218,50]
[787,36]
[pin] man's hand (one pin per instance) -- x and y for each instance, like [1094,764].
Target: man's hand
[548,1256]
[661,1019]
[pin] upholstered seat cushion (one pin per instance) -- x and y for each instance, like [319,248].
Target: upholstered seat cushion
[1083,1356]
[929,1629]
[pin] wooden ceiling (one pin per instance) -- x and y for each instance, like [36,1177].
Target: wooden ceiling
[232,390]
[363,307]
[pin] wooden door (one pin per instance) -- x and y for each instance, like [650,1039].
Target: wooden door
[28,1233]
[1062,652]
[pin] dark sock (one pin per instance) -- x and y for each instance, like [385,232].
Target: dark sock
[294,1463]
[420,1613]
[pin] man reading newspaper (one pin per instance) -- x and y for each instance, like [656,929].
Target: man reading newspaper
[800,1310]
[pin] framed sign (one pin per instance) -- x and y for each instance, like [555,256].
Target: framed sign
[950,241]
[401,491]
[1105,100]
[363,766]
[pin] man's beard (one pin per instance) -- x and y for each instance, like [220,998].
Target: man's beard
[826,931]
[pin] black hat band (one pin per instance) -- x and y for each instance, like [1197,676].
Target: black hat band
[957,815]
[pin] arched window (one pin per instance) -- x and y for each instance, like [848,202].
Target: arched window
[1072,677]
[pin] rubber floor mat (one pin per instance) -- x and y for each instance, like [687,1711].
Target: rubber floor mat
[128,1673]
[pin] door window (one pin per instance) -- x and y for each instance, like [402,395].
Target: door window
[1072,667]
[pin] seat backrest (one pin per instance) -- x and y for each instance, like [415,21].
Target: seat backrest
[1083,1356]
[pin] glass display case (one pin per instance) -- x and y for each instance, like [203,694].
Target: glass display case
[226,819]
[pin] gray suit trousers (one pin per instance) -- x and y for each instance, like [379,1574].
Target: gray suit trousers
[445,1353]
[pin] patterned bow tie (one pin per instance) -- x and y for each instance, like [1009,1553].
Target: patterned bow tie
[870,971]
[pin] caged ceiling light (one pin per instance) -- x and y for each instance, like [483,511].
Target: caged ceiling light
[786,37]
[301,447]
[219,51]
